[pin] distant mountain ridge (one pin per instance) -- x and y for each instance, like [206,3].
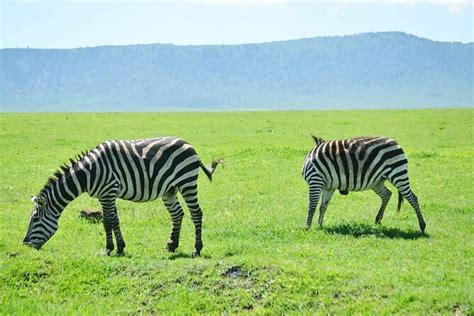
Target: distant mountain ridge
[370,70]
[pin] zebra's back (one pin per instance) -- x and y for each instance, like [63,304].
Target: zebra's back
[147,169]
[355,164]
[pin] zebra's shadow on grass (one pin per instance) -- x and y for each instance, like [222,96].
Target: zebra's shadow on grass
[183,255]
[362,229]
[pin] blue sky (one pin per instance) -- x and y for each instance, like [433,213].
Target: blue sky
[68,24]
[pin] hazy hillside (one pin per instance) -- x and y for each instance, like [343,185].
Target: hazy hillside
[367,70]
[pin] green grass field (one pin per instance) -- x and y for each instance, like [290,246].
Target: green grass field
[257,257]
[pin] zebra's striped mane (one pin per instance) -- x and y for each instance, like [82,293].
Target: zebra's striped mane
[64,170]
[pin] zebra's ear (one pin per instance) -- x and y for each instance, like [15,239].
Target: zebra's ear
[317,140]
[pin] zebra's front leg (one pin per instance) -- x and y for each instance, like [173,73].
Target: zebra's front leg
[176,213]
[327,195]
[385,194]
[112,225]
[314,193]
[118,235]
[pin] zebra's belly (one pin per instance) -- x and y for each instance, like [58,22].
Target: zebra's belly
[144,192]
[350,183]
[151,188]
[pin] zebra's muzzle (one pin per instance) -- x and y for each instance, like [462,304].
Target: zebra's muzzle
[31,244]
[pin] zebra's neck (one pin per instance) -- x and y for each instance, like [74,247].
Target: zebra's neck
[64,189]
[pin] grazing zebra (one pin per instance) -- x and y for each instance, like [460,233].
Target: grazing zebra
[139,171]
[357,164]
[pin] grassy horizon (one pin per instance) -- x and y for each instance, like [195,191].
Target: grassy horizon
[257,257]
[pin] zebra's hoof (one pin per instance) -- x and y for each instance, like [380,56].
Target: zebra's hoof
[196,254]
[422,227]
[172,246]
[120,253]
[107,252]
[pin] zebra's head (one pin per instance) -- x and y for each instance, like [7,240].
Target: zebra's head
[43,223]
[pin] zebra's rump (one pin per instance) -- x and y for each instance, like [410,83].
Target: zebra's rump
[356,164]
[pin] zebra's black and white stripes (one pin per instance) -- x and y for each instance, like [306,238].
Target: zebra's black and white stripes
[357,164]
[163,167]
[138,171]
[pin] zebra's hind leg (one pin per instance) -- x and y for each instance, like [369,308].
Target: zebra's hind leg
[402,183]
[112,224]
[314,194]
[413,200]
[176,213]
[385,194]
[190,196]
[326,198]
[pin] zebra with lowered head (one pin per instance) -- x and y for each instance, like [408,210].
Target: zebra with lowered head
[139,171]
[357,164]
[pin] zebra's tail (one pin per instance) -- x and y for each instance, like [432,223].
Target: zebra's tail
[400,201]
[210,170]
